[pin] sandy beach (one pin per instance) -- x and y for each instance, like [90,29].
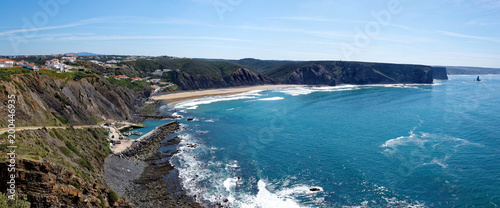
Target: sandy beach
[185,95]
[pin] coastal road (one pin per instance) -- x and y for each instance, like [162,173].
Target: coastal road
[3,130]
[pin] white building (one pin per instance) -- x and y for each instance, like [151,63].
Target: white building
[70,59]
[5,65]
[6,61]
[56,64]
[31,66]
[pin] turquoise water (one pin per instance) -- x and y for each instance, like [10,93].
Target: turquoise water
[356,146]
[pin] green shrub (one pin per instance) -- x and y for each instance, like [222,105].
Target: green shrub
[5,202]
[75,184]
[58,135]
[112,197]
[65,151]
[72,148]
[85,163]
[101,199]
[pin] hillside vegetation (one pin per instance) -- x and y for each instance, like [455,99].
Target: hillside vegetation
[63,167]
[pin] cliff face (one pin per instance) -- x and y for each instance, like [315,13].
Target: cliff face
[239,77]
[243,77]
[378,73]
[332,73]
[47,101]
[61,168]
[193,82]
[49,185]
[312,75]
[439,73]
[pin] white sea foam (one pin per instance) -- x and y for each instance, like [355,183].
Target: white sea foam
[295,91]
[266,199]
[211,183]
[176,114]
[412,139]
[439,161]
[193,104]
[230,183]
[423,149]
[272,98]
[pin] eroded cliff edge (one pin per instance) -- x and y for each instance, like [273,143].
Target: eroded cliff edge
[43,100]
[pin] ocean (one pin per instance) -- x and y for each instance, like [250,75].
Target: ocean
[345,146]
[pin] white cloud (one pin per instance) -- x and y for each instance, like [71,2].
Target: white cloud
[119,37]
[453,34]
[478,23]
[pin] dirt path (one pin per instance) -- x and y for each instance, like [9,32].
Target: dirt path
[3,130]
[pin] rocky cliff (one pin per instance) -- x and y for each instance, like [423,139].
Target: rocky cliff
[239,77]
[338,72]
[50,101]
[61,168]
[439,73]
[311,75]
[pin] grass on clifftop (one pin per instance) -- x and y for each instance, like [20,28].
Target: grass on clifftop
[137,85]
[191,66]
[6,72]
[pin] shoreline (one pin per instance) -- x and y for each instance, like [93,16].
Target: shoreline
[188,95]
[144,175]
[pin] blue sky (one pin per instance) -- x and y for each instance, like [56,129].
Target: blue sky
[432,32]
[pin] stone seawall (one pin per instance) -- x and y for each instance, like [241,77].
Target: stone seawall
[149,144]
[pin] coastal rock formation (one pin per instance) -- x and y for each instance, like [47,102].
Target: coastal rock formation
[311,75]
[339,72]
[439,73]
[145,176]
[239,77]
[246,77]
[61,168]
[47,184]
[48,101]
[193,82]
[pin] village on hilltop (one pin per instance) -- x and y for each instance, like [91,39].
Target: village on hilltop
[67,63]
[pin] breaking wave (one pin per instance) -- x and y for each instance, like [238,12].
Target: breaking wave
[194,103]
